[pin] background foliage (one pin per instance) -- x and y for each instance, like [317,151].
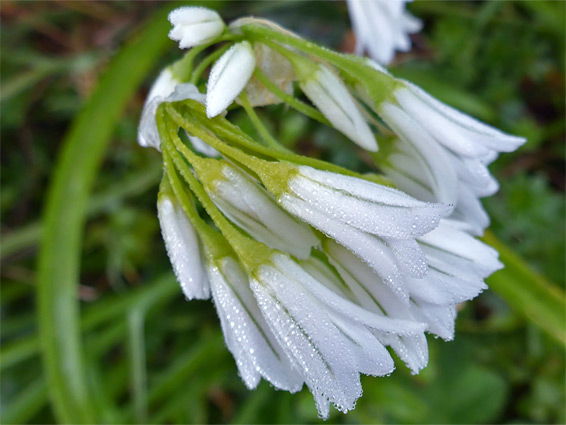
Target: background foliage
[148,355]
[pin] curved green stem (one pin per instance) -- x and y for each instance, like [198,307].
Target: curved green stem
[225,129]
[290,100]
[379,85]
[258,125]
[251,252]
[65,211]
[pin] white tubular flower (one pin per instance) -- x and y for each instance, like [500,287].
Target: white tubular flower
[444,154]
[381,27]
[253,209]
[329,94]
[165,89]
[183,247]
[228,77]
[377,223]
[247,335]
[328,338]
[195,25]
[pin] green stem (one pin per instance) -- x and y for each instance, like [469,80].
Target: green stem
[225,129]
[290,100]
[215,245]
[528,293]
[183,68]
[379,85]
[136,321]
[258,125]
[250,252]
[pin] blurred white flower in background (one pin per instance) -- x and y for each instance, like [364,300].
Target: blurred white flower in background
[382,27]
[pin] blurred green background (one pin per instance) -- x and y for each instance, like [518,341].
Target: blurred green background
[139,352]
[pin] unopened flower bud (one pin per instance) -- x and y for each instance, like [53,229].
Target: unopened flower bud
[194,25]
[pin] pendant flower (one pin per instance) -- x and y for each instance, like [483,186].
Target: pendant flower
[333,99]
[183,247]
[381,27]
[443,154]
[329,339]
[377,223]
[251,208]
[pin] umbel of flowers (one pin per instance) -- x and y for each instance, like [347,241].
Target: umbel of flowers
[316,271]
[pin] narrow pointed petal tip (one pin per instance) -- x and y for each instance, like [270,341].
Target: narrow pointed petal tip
[193,26]
[229,77]
[183,248]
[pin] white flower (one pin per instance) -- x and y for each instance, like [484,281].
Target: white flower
[457,263]
[183,247]
[228,77]
[329,339]
[377,223]
[253,209]
[248,337]
[166,88]
[443,154]
[194,25]
[329,94]
[381,27]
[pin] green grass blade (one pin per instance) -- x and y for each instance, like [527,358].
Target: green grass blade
[528,293]
[65,212]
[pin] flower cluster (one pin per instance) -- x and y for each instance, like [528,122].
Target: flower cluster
[314,269]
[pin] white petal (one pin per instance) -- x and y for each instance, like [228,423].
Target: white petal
[446,132]
[437,168]
[344,306]
[228,77]
[253,209]
[335,102]
[318,349]
[247,335]
[381,26]
[384,211]
[492,137]
[375,296]
[409,255]
[440,319]
[469,210]
[367,247]
[195,25]
[444,287]
[182,244]
[458,248]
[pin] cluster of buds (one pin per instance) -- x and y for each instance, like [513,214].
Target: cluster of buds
[314,269]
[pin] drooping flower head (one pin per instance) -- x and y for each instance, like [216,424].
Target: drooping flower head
[316,270]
